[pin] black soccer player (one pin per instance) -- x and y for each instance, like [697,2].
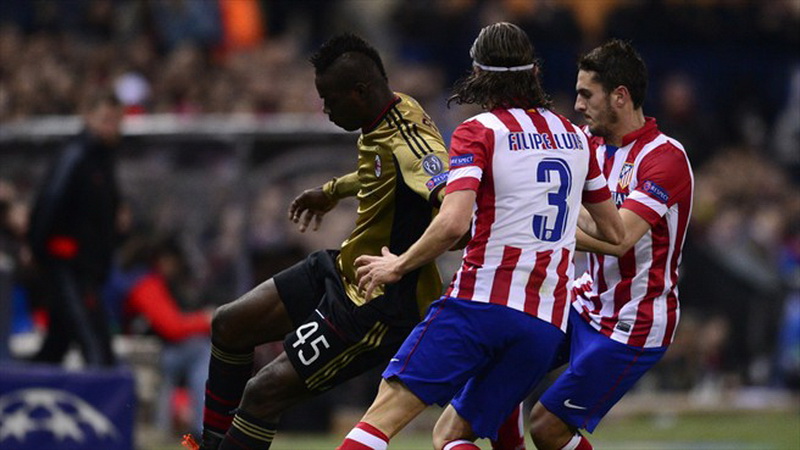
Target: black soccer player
[330,331]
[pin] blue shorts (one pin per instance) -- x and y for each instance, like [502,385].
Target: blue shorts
[483,358]
[601,370]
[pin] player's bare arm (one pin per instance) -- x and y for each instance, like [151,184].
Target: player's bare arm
[602,221]
[312,204]
[447,228]
[635,228]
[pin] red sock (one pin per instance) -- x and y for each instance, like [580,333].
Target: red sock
[511,435]
[364,437]
[578,442]
[460,444]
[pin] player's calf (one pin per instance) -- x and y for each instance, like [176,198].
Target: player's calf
[549,432]
[511,435]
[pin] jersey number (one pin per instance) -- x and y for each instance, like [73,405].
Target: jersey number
[546,227]
[304,332]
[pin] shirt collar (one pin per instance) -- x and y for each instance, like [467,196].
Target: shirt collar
[649,126]
[380,117]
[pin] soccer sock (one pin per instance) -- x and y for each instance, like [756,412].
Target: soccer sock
[364,437]
[510,435]
[461,444]
[227,375]
[248,432]
[578,442]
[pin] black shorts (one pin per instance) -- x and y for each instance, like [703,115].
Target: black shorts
[334,339]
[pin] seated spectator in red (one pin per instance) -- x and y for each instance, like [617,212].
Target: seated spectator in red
[141,296]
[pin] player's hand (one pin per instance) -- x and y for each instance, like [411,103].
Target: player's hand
[374,271]
[312,204]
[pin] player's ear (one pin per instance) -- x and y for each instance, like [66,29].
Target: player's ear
[361,88]
[620,96]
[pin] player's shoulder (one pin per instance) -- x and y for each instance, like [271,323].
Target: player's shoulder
[666,153]
[407,114]
[409,109]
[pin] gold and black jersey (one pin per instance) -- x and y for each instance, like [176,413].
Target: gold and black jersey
[402,168]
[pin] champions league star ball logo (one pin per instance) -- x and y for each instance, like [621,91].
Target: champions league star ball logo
[59,413]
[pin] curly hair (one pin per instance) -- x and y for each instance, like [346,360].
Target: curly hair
[502,45]
[615,64]
[338,45]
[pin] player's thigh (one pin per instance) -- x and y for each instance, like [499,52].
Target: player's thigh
[335,344]
[256,317]
[601,371]
[515,369]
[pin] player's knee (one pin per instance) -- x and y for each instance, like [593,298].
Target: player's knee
[439,439]
[272,390]
[546,428]
[223,327]
[260,395]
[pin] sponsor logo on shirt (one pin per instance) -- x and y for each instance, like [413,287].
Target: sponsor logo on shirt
[461,160]
[618,197]
[432,165]
[436,181]
[656,191]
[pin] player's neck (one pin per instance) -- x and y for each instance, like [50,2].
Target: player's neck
[629,122]
[381,99]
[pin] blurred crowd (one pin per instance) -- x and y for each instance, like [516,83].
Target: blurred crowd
[725,81]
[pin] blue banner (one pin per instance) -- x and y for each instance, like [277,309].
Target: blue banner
[51,408]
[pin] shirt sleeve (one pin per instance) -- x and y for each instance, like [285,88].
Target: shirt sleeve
[425,169]
[595,189]
[151,298]
[470,149]
[663,179]
[344,186]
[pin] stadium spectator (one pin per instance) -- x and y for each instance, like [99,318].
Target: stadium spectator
[330,332]
[142,296]
[626,310]
[486,344]
[73,235]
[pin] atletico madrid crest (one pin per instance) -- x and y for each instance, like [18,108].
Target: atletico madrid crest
[625,175]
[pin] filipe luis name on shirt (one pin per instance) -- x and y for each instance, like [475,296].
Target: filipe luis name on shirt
[518,141]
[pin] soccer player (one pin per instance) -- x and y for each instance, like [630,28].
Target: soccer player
[331,333]
[626,310]
[524,172]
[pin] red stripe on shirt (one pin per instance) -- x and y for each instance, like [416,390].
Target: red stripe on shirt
[541,125]
[501,285]
[622,291]
[537,277]
[508,120]
[484,219]
[560,292]
[655,285]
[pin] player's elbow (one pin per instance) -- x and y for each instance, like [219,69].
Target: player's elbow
[455,229]
[615,234]
[623,247]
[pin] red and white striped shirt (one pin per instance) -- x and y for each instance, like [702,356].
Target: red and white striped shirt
[634,299]
[530,170]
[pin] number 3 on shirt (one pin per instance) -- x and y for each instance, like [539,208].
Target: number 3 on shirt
[303,334]
[545,227]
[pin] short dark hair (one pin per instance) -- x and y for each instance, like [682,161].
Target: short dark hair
[502,44]
[338,45]
[616,63]
[100,97]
